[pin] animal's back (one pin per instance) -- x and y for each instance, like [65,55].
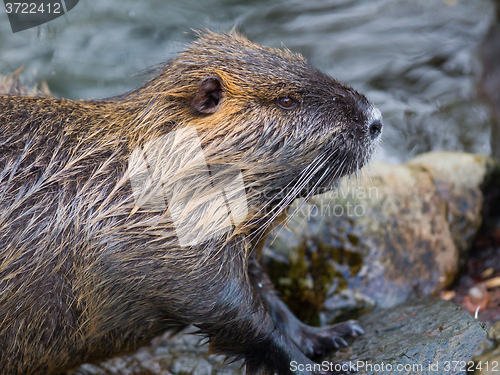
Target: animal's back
[51,179]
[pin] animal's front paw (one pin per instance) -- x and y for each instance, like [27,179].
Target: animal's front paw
[318,341]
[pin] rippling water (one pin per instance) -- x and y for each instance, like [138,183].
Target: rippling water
[416,59]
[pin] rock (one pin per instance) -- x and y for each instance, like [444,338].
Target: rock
[178,354]
[399,235]
[459,180]
[419,337]
[487,356]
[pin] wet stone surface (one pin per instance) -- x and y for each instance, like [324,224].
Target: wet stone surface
[419,337]
[487,355]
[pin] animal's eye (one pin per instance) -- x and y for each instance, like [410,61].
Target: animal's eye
[286,103]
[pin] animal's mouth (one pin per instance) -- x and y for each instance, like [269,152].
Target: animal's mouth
[343,159]
[322,175]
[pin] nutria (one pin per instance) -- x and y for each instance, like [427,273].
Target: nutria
[123,217]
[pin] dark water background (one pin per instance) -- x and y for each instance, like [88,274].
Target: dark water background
[415,59]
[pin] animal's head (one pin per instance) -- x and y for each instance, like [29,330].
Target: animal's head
[262,116]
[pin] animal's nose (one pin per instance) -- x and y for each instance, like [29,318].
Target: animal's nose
[375,128]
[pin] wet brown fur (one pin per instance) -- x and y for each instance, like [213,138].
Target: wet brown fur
[85,273]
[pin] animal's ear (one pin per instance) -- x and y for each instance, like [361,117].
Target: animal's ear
[209,95]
